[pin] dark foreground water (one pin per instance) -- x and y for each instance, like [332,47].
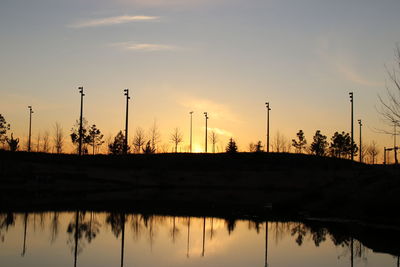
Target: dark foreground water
[113,239]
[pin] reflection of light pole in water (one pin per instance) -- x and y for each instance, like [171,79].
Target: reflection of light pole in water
[351,247]
[30,128]
[25,228]
[188,238]
[268,109]
[360,123]
[122,239]
[76,238]
[266,244]
[191,117]
[204,236]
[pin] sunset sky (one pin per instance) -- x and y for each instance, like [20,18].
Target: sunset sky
[226,57]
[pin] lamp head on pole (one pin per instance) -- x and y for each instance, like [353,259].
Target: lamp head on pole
[30,109]
[80,88]
[267,105]
[126,93]
[206,115]
[191,112]
[351,96]
[359,122]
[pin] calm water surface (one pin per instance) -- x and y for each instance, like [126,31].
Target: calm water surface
[108,239]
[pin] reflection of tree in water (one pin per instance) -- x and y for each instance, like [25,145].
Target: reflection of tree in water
[212,230]
[6,220]
[255,225]
[352,247]
[54,224]
[136,225]
[230,225]
[150,223]
[81,228]
[174,231]
[116,222]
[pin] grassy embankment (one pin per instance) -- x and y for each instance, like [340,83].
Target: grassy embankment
[244,183]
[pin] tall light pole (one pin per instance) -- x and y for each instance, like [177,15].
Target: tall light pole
[268,109]
[360,123]
[206,116]
[352,126]
[126,93]
[30,128]
[191,117]
[81,121]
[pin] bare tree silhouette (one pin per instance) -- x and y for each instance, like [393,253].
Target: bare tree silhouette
[372,152]
[155,136]
[176,138]
[58,138]
[38,142]
[213,139]
[46,144]
[139,140]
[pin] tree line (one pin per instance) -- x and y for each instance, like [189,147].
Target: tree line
[340,145]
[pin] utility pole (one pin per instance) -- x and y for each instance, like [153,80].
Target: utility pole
[191,117]
[206,115]
[30,128]
[352,126]
[361,159]
[126,121]
[268,109]
[80,121]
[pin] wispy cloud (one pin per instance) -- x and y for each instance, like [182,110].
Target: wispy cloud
[111,21]
[219,131]
[145,47]
[343,62]
[215,110]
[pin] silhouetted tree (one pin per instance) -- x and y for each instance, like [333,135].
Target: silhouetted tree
[58,138]
[299,144]
[281,143]
[258,147]
[148,148]
[95,137]
[46,145]
[38,142]
[341,145]
[176,138]
[6,220]
[117,147]
[214,139]
[85,135]
[231,147]
[319,144]
[155,136]
[4,127]
[372,151]
[390,104]
[13,144]
[139,140]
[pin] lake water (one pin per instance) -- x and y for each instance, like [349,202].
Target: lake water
[112,239]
